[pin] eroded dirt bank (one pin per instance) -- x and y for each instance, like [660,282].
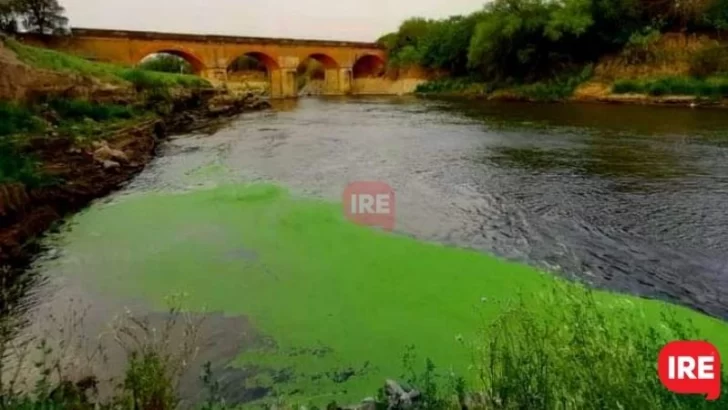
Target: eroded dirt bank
[76,173]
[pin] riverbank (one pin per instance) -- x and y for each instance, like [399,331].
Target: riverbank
[670,69]
[75,130]
[591,91]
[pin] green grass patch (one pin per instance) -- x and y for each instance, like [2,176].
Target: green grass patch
[77,110]
[80,120]
[343,303]
[573,348]
[142,79]
[16,118]
[457,85]
[18,167]
[709,87]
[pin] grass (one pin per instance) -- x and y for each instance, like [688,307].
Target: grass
[142,79]
[556,89]
[15,167]
[63,363]
[313,283]
[708,87]
[447,85]
[574,349]
[17,118]
[77,119]
[72,110]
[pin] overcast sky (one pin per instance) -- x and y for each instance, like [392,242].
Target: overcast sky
[360,20]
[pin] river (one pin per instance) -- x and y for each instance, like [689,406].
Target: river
[624,197]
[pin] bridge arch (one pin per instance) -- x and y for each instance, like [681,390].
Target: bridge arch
[256,70]
[190,57]
[318,73]
[270,62]
[326,60]
[368,66]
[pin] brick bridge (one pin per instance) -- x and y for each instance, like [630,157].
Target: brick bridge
[211,55]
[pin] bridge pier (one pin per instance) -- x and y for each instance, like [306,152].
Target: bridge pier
[346,76]
[283,83]
[214,74]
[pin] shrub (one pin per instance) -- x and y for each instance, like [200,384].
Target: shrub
[147,383]
[557,89]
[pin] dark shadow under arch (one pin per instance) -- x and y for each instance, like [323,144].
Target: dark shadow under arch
[327,61]
[267,61]
[369,66]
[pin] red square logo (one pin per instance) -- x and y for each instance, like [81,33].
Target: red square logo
[370,203]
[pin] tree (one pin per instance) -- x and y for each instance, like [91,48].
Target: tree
[166,63]
[42,16]
[8,17]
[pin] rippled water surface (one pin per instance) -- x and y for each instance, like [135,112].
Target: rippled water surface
[629,198]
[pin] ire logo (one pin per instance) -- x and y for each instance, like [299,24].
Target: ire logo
[690,367]
[370,203]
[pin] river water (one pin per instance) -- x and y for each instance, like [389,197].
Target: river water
[628,198]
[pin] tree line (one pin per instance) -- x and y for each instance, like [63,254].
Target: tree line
[36,16]
[531,40]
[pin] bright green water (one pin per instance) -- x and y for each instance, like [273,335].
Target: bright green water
[308,279]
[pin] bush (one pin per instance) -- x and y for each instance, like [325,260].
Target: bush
[570,350]
[709,61]
[556,89]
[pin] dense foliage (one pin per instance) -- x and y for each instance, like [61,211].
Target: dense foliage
[37,16]
[166,63]
[532,40]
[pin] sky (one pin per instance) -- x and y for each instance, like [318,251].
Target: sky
[354,20]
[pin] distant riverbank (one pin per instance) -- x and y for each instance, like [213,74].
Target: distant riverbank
[685,70]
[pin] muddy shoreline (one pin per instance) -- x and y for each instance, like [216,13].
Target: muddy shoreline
[83,174]
[590,97]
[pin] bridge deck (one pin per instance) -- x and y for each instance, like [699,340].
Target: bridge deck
[210,38]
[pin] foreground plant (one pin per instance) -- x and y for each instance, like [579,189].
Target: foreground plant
[571,350]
